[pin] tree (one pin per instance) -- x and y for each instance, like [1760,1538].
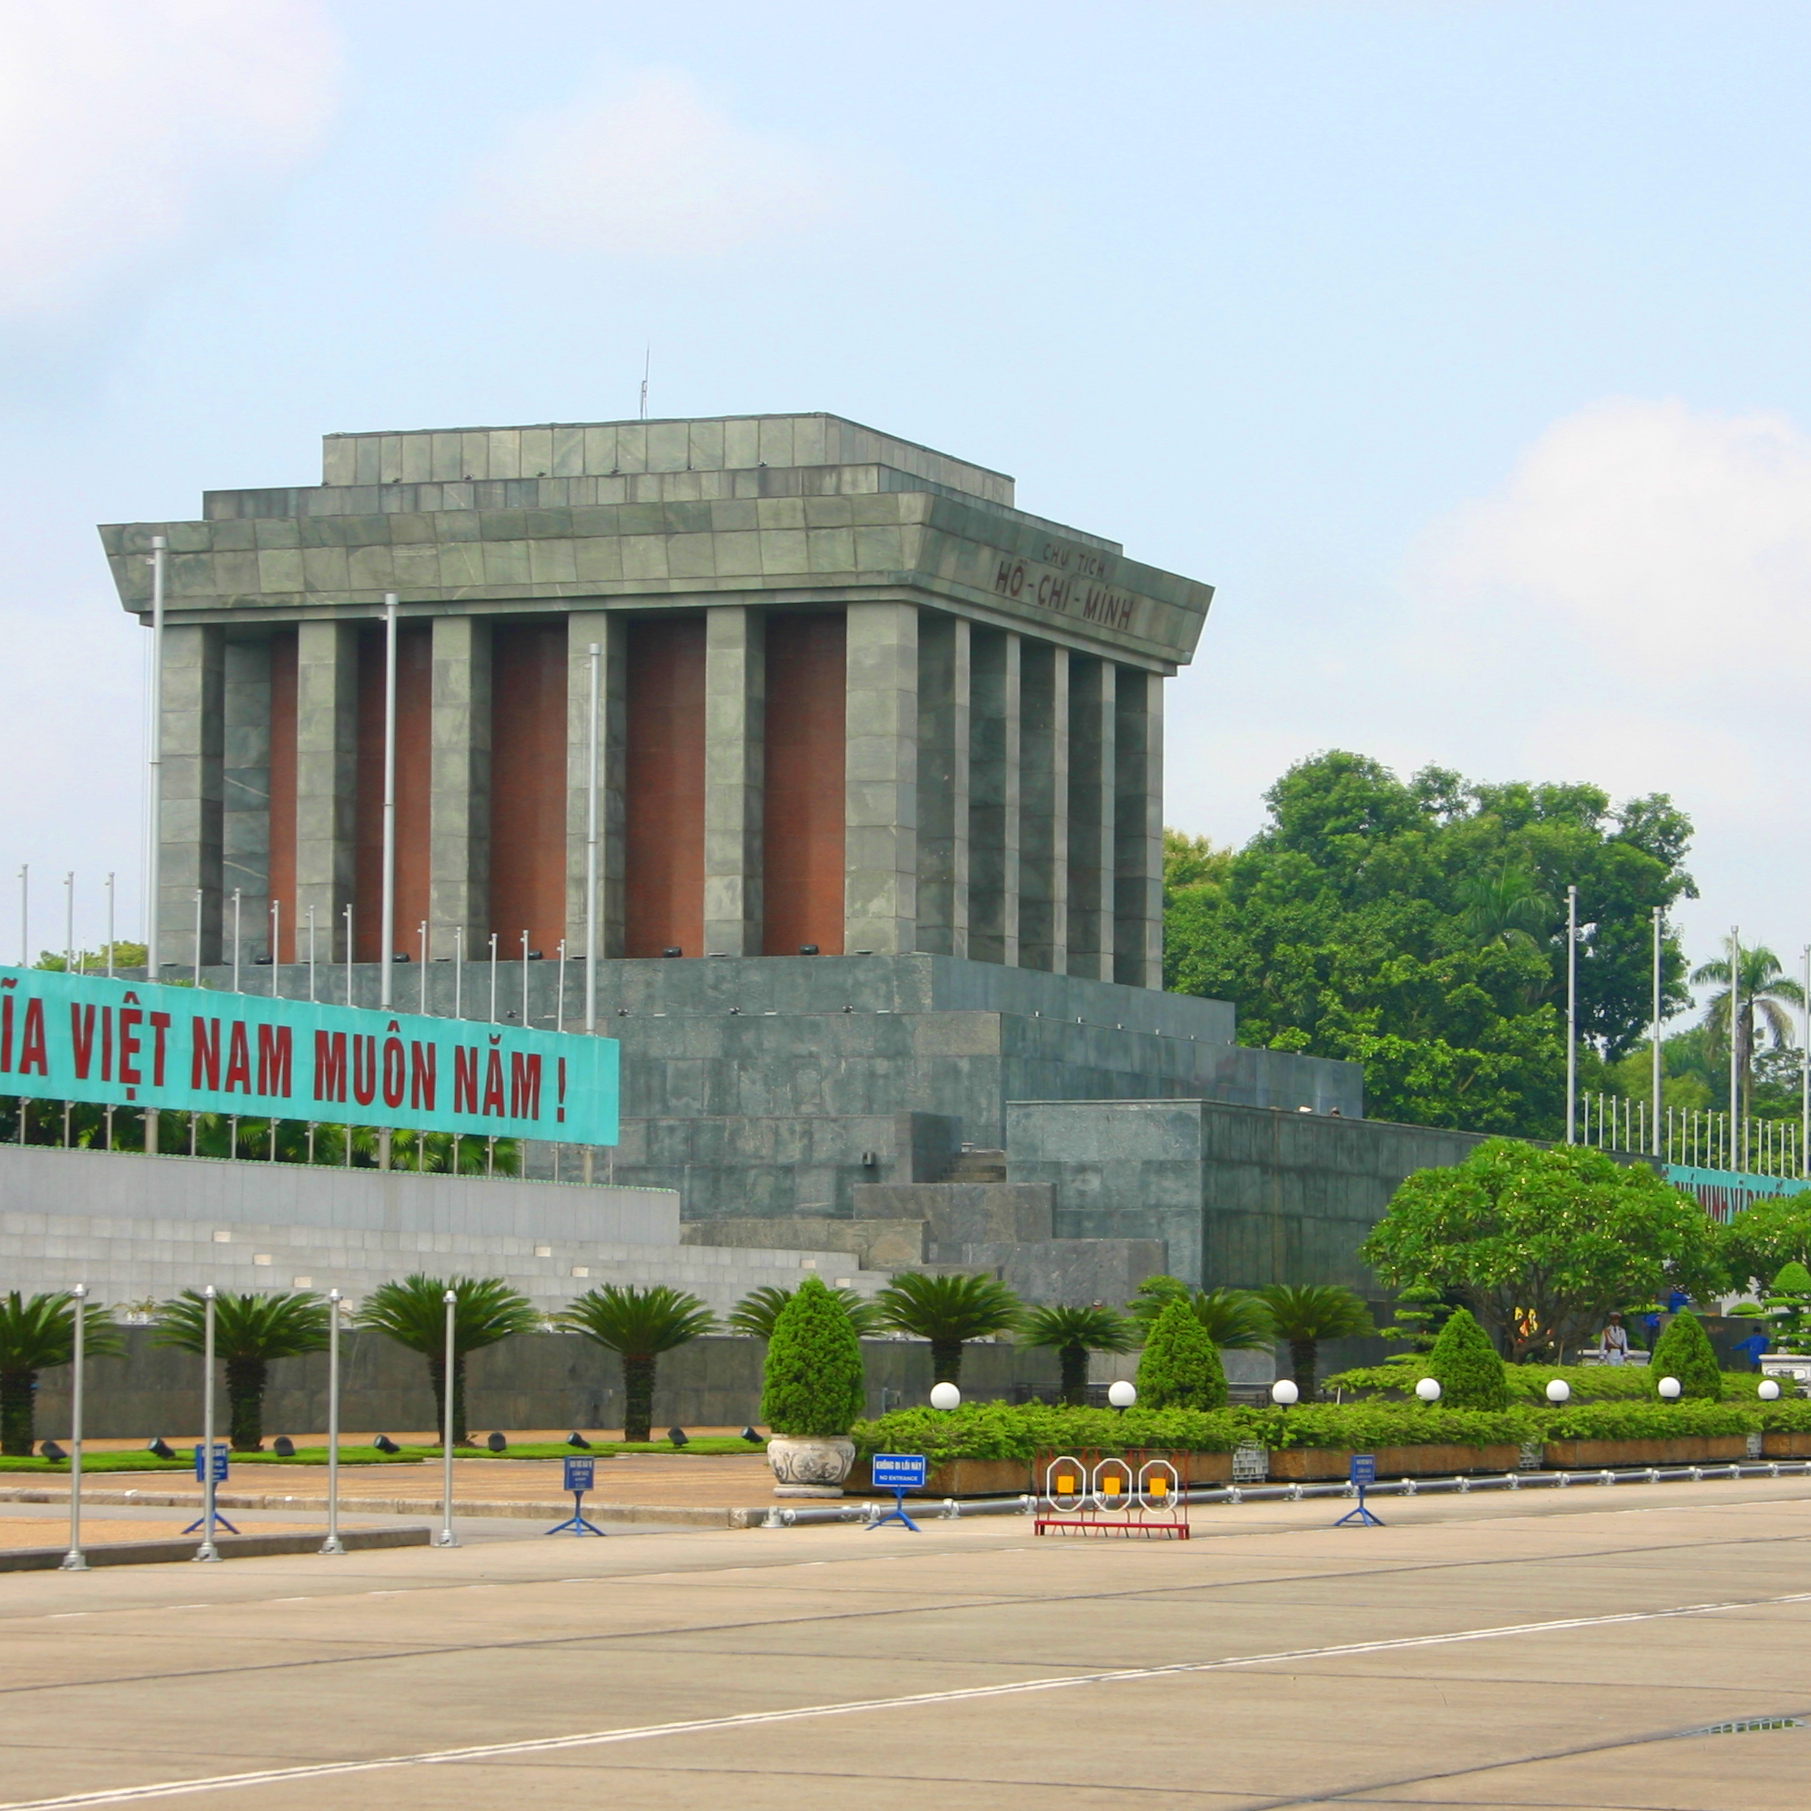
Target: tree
[948,1311]
[249,1332]
[1304,1314]
[1465,1365]
[1542,1245]
[1765,991]
[413,1313]
[37,1333]
[638,1324]
[1684,1351]
[1180,1366]
[757,1311]
[1418,927]
[1770,1233]
[1234,1318]
[811,1379]
[1788,1305]
[1072,1333]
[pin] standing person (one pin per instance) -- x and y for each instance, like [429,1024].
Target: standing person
[1614,1345]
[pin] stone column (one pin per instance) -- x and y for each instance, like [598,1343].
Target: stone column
[245,796]
[943,764]
[193,718]
[880,823]
[583,627]
[1044,806]
[993,797]
[1138,829]
[326,781]
[735,685]
[459,783]
[1092,777]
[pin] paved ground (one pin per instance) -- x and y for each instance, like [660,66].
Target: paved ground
[1548,1652]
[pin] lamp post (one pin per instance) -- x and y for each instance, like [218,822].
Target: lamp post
[333,1543]
[447,1537]
[207,1550]
[74,1560]
[1285,1393]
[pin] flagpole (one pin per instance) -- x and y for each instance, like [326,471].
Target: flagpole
[1571,1015]
[387,945]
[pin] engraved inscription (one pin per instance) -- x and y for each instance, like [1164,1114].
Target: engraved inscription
[1070,581]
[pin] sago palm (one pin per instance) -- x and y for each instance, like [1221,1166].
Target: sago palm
[948,1311]
[638,1325]
[1304,1314]
[1073,1333]
[757,1311]
[413,1313]
[249,1332]
[1235,1319]
[37,1333]
[1764,992]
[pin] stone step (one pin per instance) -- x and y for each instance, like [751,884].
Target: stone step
[977,1166]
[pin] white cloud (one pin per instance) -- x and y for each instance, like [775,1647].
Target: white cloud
[648,165]
[126,125]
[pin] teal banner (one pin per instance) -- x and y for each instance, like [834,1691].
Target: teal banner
[184,1049]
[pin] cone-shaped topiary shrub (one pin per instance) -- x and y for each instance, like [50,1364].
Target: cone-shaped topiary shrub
[1684,1352]
[1466,1366]
[1180,1367]
[812,1381]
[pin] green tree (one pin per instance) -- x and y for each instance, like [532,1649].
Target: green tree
[1180,1366]
[948,1311]
[1770,1233]
[1466,1366]
[811,1379]
[1421,1311]
[1072,1333]
[1303,1315]
[1788,1305]
[250,1331]
[1764,992]
[1684,1351]
[638,1325]
[1418,927]
[757,1311]
[37,1333]
[1234,1318]
[1542,1245]
[413,1313]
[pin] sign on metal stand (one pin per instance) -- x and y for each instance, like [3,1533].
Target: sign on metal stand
[581,1474]
[1362,1476]
[210,1478]
[899,1472]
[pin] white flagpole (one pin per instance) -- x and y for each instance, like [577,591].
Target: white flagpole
[1735,1023]
[386,953]
[1571,1015]
[154,820]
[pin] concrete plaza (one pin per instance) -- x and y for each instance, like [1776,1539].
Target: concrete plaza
[1560,1651]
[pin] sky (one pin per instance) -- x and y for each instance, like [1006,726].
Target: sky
[1459,345]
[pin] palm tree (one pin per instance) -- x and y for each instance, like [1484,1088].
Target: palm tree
[948,1311]
[1765,992]
[1073,1333]
[413,1313]
[1505,908]
[757,1311]
[1236,1320]
[37,1333]
[1306,1313]
[638,1324]
[249,1331]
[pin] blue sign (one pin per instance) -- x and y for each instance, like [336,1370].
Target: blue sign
[901,1471]
[580,1475]
[220,1461]
[1364,1468]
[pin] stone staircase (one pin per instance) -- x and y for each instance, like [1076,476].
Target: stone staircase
[974,1165]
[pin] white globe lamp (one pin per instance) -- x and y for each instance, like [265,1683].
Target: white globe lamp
[1559,1390]
[945,1396]
[1122,1394]
[1284,1393]
[1428,1389]
[1668,1388]
[1767,1390]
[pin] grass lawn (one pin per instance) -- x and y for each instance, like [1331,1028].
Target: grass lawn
[356,1450]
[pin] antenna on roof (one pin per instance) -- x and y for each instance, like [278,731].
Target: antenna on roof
[647,361]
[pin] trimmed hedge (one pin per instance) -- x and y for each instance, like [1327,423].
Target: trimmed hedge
[1002,1430]
[1363,1426]
[1684,1351]
[1528,1383]
[1180,1367]
[1466,1365]
[1682,1420]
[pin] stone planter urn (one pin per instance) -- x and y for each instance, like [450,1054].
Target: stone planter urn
[807,1466]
